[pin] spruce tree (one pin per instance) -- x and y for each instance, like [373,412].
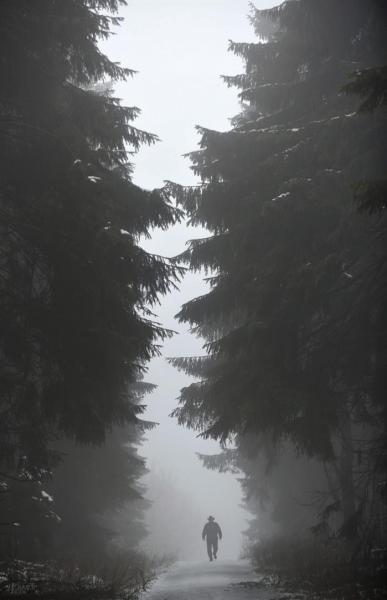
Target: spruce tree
[292,316]
[76,286]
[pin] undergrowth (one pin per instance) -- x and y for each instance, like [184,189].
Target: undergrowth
[121,577]
[310,568]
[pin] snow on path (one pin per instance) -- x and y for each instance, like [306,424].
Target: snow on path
[219,580]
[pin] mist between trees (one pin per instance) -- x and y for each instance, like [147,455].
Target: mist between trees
[292,380]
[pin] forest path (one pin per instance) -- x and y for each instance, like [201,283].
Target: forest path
[219,580]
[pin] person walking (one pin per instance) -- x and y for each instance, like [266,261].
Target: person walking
[212,532]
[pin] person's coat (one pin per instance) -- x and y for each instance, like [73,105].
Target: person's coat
[212,531]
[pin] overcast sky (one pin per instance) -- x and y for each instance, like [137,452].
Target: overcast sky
[179,48]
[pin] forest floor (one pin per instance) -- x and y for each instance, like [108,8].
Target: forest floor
[219,580]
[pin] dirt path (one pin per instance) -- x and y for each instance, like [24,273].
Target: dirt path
[221,580]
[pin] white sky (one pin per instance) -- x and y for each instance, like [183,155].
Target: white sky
[179,48]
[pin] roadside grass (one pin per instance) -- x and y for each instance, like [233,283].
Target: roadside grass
[123,576]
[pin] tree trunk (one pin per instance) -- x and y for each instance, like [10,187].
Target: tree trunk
[346,458]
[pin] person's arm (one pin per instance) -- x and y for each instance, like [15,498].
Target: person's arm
[204,532]
[219,532]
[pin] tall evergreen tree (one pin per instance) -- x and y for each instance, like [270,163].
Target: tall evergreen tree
[76,286]
[292,316]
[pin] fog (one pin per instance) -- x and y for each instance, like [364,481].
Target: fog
[179,49]
[118,119]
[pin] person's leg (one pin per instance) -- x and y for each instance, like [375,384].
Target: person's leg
[215,548]
[209,549]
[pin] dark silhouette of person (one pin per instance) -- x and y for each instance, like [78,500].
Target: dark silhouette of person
[212,532]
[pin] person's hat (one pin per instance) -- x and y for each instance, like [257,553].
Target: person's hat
[211,518]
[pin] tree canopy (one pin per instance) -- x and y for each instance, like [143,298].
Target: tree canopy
[289,259]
